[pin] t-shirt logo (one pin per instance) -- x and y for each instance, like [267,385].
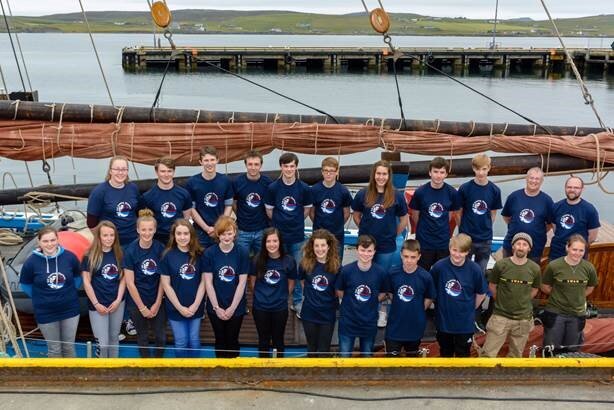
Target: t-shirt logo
[168,210]
[187,271]
[567,221]
[109,271]
[211,199]
[405,293]
[328,206]
[479,207]
[378,211]
[272,277]
[253,200]
[527,216]
[56,280]
[149,267]
[436,210]
[362,293]
[226,274]
[453,288]
[319,283]
[123,209]
[288,204]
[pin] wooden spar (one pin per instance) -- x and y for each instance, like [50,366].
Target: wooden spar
[37,111]
[349,174]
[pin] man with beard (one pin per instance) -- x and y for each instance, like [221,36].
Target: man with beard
[513,282]
[573,215]
[528,210]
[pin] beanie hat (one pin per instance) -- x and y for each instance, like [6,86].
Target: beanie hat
[524,236]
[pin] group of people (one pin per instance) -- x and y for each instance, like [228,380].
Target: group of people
[178,252]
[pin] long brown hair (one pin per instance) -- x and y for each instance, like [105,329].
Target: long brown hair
[308,263]
[194,248]
[372,194]
[95,252]
[263,256]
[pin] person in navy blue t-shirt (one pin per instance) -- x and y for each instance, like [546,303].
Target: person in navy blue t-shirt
[480,200]
[116,200]
[181,275]
[51,276]
[105,286]
[226,267]
[412,291]
[212,196]
[272,278]
[433,206]
[461,288]
[249,192]
[573,215]
[288,202]
[381,212]
[167,200]
[528,210]
[361,285]
[141,269]
[318,272]
[331,202]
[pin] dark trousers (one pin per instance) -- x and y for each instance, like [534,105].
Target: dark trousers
[428,257]
[454,344]
[226,335]
[318,337]
[394,348]
[271,326]
[155,325]
[563,332]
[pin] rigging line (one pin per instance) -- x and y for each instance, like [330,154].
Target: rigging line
[270,90]
[157,97]
[588,98]
[8,31]
[388,40]
[6,90]
[104,78]
[23,60]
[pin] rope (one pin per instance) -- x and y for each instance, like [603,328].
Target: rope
[192,136]
[23,60]
[5,89]
[104,78]
[7,286]
[17,102]
[8,31]
[8,237]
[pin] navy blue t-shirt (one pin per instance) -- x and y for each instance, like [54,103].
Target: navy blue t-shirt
[360,303]
[226,268]
[456,288]
[407,318]
[185,279]
[271,292]
[288,203]
[105,279]
[570,220]
[328,206]
[145,265]
[477,201]
[321,302]
[210,198]
[528,214]
[251,214]
[54,294]
[435,205]
[167,205]
[119,206]
[379,222]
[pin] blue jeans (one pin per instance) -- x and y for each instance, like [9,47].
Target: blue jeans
[296,250]
[386,260]
[481,253]
[346,345]
[250,241]
[187,336]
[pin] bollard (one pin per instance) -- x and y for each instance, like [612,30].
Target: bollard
[88,349]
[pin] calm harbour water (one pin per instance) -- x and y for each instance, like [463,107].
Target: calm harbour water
[63,68]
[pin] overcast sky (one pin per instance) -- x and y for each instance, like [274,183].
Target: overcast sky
[442,8]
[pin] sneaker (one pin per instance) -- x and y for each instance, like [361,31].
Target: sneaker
[130,328]
[382,318]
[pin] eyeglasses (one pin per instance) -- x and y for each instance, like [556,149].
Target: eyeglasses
[329,171]
[120,169]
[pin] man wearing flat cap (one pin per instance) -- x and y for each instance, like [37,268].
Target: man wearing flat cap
[513,282]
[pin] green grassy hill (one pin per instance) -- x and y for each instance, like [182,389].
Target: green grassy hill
[228,21]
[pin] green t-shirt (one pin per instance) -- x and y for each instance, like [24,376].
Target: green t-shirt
[568,286]
[514,286]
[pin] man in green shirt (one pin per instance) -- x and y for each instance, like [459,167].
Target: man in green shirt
[513,282]
[567,281]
